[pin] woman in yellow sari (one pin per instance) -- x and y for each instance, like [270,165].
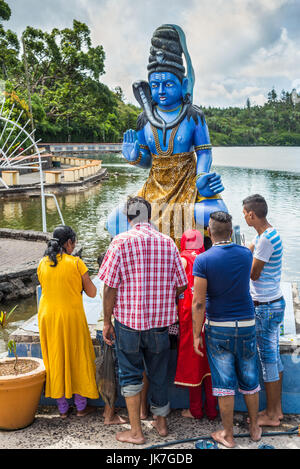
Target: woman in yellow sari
[66,344]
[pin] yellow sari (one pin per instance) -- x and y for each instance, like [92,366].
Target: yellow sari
[66,343]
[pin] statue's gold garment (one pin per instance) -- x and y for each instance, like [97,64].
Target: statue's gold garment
[171,189]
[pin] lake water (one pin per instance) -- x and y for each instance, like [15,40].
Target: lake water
[273,172]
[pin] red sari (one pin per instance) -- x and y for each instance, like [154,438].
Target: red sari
[192,369]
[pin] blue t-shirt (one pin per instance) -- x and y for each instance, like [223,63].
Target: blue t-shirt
[227,270]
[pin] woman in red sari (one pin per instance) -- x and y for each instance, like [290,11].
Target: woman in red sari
[192,370]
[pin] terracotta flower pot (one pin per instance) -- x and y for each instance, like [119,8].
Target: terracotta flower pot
[20,395]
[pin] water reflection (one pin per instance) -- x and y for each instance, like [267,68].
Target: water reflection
[11,210]
[50,205]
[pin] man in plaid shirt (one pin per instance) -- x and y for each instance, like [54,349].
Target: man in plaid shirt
[143,275]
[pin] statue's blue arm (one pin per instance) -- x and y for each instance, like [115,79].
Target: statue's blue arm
[202,140]
[208,184]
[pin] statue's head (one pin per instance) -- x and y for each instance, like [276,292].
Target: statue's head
[166,72]
[166,89]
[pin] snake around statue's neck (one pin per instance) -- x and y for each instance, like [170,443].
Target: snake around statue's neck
[142,94]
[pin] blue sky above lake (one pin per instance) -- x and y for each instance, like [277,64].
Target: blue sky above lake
[239,48]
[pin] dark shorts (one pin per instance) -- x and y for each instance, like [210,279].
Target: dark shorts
[232,356]
[139,351]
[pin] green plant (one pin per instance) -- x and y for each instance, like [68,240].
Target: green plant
[4,316]
[12,347]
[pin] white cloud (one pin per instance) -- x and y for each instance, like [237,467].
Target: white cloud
[280,59]
[239,48]
[225,41]
[258,100]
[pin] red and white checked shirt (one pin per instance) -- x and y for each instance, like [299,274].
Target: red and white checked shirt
[146,267]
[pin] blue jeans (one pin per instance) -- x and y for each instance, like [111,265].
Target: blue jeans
[139,349]
[232,356]
[268,319]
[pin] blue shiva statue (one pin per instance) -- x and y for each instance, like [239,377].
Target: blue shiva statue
[172,140]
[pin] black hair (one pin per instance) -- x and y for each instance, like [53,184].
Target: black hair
[100,258]
[138,209]
[221,224]
[257,204]
[166,52]
[61,235]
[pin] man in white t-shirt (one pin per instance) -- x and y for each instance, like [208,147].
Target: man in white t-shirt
[268,301]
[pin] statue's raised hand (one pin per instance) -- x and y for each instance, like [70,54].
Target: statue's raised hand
[209,184]
[130,147]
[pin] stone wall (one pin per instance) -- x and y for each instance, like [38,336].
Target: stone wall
[17,279]
[24,235]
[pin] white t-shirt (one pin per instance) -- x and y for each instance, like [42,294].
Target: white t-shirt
[268,248]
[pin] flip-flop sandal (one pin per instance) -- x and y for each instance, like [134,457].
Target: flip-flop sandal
[206,444]
[263,446]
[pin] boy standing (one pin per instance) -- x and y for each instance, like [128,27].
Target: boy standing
[268,302]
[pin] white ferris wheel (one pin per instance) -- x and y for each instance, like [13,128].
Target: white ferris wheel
[19,150]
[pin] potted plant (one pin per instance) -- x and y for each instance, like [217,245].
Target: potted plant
[21,384]
[4,316]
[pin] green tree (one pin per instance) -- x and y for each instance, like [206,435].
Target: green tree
[64,72]
[5,11]
[9,44]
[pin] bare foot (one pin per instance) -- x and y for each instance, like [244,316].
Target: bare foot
[66,414]
[220,437]
[263,414]
[88,410]
[128,437]
[144,413]
[255,432]
[187,414]
[212,417]
[160,424]
[265,420]
[114,419]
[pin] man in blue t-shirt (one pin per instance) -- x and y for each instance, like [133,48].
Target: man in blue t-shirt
[221,287]
[268,301]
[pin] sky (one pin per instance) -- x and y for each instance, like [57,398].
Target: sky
[239,48]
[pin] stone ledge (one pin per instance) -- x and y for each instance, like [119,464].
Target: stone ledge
[18,278]
[24,235]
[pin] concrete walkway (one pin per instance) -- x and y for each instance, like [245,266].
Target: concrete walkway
[17,254]
[49,431]
[34,177]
